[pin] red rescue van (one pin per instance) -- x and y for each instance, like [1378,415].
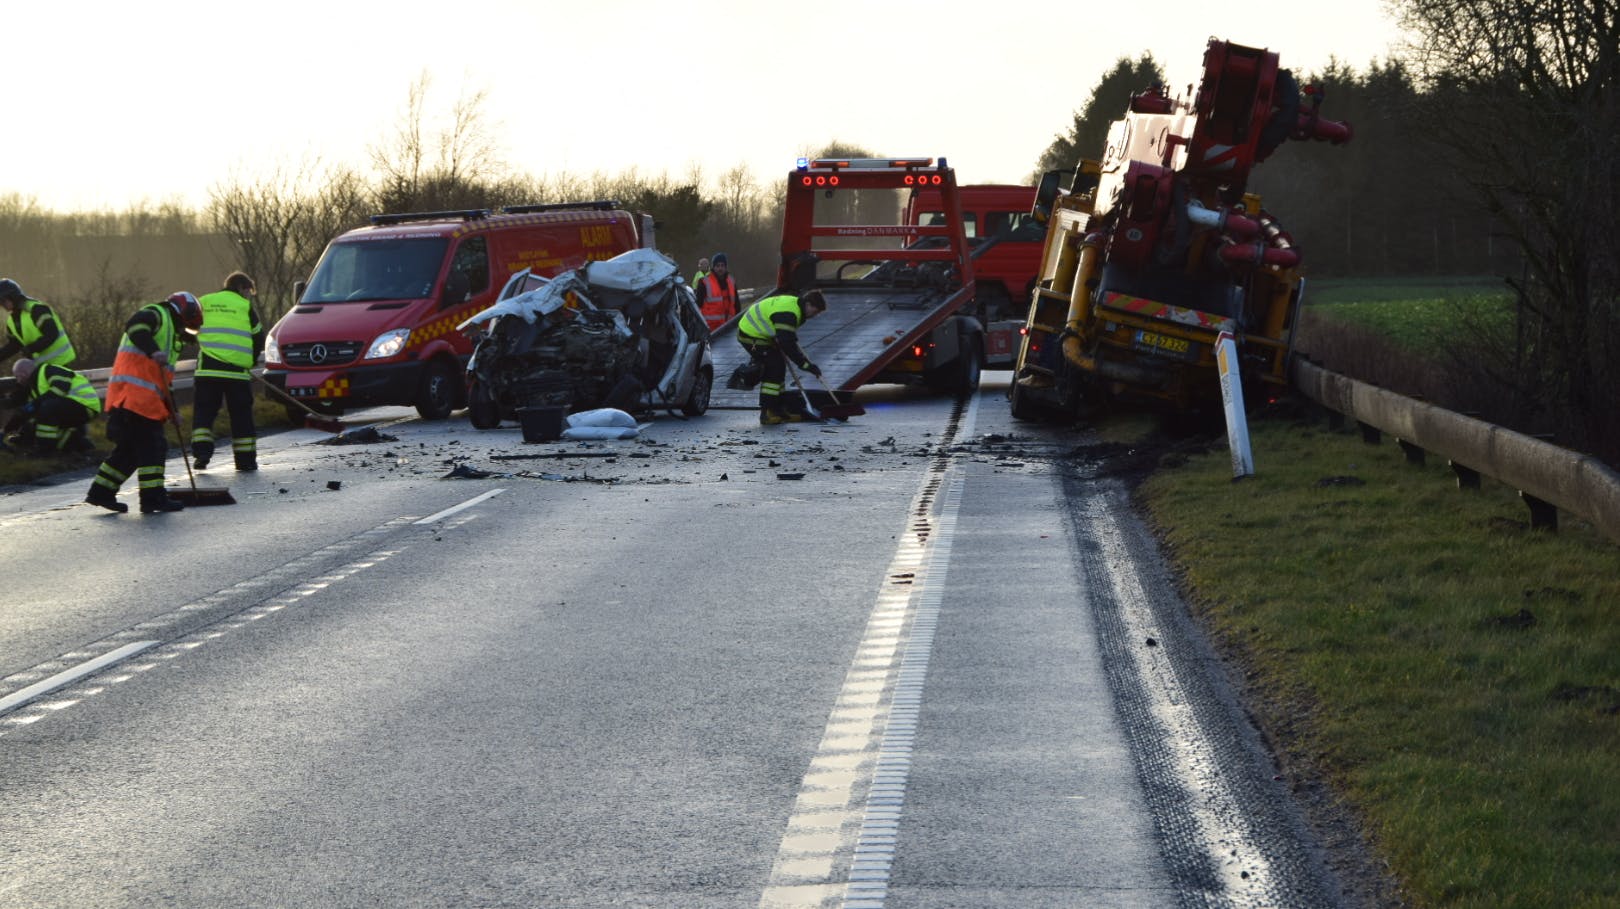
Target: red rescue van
[375,324]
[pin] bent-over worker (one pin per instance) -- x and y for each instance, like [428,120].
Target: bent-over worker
[60,402]
[769,331]
[32,328]
[140,401]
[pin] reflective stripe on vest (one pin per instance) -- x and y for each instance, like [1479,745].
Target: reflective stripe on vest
[25,329]
[227,332]
[719,300]
[78,387]
[139,383]
[756,322]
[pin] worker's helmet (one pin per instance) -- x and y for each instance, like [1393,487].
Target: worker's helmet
[187,308]
[22,369]
[9,290]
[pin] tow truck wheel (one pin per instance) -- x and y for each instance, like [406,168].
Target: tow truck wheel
[438,395]
[965,371]
[1022,407]
[697,403]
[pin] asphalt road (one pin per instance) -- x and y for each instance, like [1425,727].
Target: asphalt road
[668,673]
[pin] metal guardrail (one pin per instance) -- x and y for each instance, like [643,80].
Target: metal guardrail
[1548,477]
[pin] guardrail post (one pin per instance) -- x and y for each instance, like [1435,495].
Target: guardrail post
[1414,454]
[1370,433]
[1467,477]
[1335,420]
[1543,515]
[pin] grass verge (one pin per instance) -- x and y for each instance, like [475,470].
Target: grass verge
[1452,674]
[17,468]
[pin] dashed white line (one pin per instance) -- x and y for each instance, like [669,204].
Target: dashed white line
[434,518]
[69,676]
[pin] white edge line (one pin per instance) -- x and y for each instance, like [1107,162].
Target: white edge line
[69,676]
[464,505]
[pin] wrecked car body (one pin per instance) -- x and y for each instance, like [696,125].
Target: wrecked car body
[624,333]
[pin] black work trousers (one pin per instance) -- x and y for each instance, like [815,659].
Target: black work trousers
[207,394]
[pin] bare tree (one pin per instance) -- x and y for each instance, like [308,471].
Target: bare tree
[279,224]
[422,168]
[1524,102]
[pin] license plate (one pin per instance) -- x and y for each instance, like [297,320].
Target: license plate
[1166,343]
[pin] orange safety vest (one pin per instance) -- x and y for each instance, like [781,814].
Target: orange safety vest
[139,383]
[719,301]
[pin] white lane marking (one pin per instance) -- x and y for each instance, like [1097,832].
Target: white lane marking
[836,851]
[69,676]
[433,518]
[1223,827]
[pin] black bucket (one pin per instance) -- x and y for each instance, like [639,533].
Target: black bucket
[541,424]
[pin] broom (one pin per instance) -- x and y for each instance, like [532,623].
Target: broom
[192,496]
[312,419]
[838,410]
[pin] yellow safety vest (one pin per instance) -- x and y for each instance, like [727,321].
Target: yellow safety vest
[59,380]
[756,322]
[226,334]
[25,328]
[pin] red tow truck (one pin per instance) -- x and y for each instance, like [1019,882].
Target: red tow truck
[899,296]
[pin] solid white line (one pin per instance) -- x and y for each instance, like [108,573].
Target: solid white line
[69,676]
[462,507]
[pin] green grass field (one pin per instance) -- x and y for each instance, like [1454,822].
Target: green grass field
[1454,675]
[1417,314]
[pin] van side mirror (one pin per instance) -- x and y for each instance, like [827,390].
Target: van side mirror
[1046,193]
[298,291]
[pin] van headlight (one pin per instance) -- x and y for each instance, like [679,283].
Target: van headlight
[389,343]
[272,351]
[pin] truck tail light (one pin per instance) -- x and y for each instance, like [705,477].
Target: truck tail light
[924,180]
[819,180]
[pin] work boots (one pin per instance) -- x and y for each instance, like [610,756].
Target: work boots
[247,461]
[201,454]
[158,501]
[106,498]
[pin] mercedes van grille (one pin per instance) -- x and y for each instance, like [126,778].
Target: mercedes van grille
[321,353]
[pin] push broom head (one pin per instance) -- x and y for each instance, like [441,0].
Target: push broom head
[195,496]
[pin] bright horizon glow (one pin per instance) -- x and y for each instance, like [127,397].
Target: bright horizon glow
[130,103]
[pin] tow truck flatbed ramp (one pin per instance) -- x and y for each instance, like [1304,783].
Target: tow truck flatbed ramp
[862,330]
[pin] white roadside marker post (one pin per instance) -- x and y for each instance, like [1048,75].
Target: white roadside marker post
[1237,423]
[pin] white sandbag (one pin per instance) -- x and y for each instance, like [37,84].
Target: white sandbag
[600,433]
[602,416]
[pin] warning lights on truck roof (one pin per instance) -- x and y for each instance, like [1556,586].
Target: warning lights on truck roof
[864,163]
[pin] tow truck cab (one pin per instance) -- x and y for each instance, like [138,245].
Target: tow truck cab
[375,323]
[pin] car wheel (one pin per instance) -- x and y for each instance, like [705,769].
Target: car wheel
[438,395]
[697,403]
[481,407]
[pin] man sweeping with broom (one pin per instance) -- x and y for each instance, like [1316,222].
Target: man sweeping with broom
[140,402]
[769,331]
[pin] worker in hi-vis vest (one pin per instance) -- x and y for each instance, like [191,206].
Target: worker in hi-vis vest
[769,331]
[58,403]
[140,401]
[229,343]
[717,293]
[32,329]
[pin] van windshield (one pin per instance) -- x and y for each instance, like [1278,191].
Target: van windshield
[377,270]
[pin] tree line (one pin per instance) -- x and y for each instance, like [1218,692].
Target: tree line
[1485,148]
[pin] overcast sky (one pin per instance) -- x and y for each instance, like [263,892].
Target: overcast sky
[106,103]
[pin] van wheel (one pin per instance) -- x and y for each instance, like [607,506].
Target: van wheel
[481,407]
[697,403]
[438,396]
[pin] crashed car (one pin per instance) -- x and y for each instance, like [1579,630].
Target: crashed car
[624,333]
